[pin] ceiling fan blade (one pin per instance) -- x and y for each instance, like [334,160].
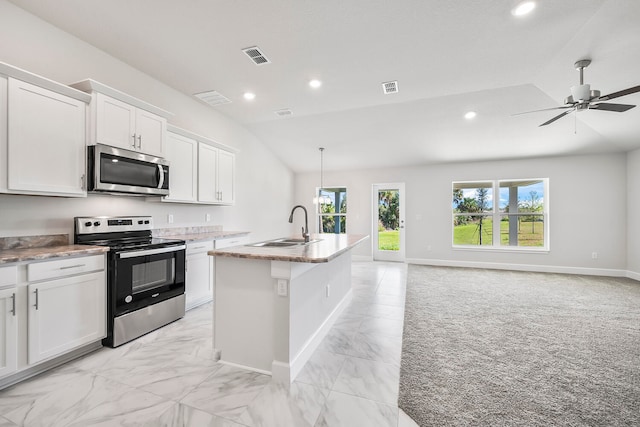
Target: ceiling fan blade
[620,93]
[619,108]
[544,109]
[559,116]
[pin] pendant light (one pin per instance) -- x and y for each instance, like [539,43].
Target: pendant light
[323,200]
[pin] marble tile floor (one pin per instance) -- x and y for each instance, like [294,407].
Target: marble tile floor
[169,377]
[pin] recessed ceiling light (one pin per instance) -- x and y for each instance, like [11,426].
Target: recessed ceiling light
[523,8]
[249,96]
[315,83]
[470,115]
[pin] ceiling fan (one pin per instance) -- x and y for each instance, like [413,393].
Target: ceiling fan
[583,98]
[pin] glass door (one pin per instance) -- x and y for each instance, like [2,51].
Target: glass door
[388,229]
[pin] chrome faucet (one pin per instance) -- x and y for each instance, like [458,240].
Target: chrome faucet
[305,229]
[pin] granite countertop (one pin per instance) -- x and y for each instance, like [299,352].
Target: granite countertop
[208,235]
[329,247]
[46,252]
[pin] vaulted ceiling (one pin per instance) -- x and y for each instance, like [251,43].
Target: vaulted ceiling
[449,57]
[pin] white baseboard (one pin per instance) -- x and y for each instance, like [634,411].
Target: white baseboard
[633,275]
[524,267]
[245,367]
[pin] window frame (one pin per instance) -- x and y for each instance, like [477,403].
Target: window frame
[496,215]
[319,215]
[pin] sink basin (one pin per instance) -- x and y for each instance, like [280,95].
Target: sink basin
[283,242]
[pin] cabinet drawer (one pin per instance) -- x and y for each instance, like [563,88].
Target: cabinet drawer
[232,241]
[64,267]
[8,275]
[198,247]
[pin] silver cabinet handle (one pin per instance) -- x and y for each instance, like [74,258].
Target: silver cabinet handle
[36,304]
[198,247]
[140,142]
[13,304]
[134,141]
[72,266]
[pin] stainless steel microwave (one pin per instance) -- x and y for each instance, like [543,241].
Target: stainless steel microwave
[114,170]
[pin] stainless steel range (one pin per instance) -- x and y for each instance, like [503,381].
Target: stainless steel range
[145,275]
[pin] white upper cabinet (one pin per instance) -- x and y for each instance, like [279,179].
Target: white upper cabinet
[182,153]
[122,121]
[207,173]
[226,173]
[201,170]
[45,145]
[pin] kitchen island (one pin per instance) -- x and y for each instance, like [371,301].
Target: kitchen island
[273,305]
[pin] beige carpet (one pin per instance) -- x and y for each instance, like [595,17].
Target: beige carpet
[501,348]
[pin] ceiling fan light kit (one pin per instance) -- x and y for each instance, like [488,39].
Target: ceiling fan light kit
[583,98]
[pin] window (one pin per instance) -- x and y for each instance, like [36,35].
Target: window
[516,218]
[332,210]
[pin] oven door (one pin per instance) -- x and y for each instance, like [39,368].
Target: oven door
[148,276]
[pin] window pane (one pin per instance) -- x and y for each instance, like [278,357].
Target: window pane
[472,198]
[333,224]
[332,200]
[522,196]
[522,230]
[472,230]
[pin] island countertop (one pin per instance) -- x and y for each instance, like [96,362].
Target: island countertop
[328,247]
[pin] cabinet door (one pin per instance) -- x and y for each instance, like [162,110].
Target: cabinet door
[115,123]
[150,132]
[46,141]
[226,168]
[207,173]
[65,314]
[4,83]
[199,278]
[182,154]
[8,328]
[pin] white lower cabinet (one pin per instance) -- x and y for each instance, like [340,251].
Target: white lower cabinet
[65,314]
[231,241]
[8,331]
[199,274]
[48,309]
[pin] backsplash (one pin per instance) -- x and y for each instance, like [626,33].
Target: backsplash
[26,242]
[161,232]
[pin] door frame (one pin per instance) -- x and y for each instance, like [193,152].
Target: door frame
[377,254]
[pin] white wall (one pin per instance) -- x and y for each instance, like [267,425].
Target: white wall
[587,197]
[633,226]
[264,184]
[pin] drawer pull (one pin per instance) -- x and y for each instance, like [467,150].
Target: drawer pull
[155,295]
[198,247]
[72,266]
[36,304]
[13,304]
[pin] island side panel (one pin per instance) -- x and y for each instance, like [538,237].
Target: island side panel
[243,312]
[313,310]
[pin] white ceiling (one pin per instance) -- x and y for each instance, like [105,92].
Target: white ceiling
[449,57]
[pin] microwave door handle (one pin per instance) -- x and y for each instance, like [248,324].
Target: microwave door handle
[161,176]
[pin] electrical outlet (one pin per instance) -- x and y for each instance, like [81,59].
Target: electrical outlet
[282,287]
[207,217]
[328,290]
[594,255]
[170,219]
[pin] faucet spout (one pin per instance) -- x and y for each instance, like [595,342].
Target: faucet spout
[305,229]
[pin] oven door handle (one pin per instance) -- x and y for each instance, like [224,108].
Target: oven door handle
[134,254]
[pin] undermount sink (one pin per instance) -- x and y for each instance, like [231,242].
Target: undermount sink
[284,242]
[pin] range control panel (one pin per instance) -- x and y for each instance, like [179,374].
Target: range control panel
[110,224]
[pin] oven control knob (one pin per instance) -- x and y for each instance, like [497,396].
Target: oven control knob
[140,222]
[97,223]
[128,298]
[87,224]
[146,222]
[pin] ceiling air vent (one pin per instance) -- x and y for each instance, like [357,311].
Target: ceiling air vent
[285,112]
[390,87]
[256,55]
[212,98]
